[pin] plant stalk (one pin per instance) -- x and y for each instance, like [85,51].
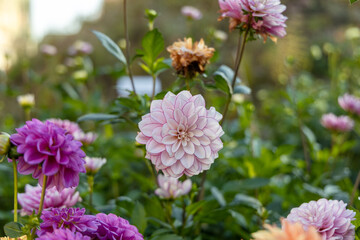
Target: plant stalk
[15,191]
[90,179]
[356,185]
[154,86]
[43,192]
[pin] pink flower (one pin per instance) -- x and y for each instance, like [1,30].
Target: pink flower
[181,136]
[171,187]
[93,165]
[48,50]
[329,217]
[191,12]
[338,124]
[30,200]
[350,103]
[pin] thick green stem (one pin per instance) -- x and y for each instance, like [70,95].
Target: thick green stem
[90,179]
[154,86]
[187,82]
[356,185]
[43,192]
[27,114]
[15,191]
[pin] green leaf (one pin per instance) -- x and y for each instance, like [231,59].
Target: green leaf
[138,217]
[153,44]
[353,1]
[247,184]
[111,46]
[242,89]
[97,117]
[194,207]
[13,229]
[218,196]
[225,73]
[167,237]
[241,199]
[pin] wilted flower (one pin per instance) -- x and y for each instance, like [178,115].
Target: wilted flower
[30,200]
[191,12]
[114,227]
[93,165]
[4,143]
[63,234]
[350,103]
[80,47]
[181,136]
[48,50]
[26,101]
[289,231]
[264,16]
[329,217]
[339,124]
[188,58]
[48,150]
[171,187]
[71,218]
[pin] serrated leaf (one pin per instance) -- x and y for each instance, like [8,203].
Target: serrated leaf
[13,229]
[97,117]
[138,217]
[111,46]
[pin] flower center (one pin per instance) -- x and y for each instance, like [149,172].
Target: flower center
[183,134]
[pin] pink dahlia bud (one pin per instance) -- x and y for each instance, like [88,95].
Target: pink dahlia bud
[93,165]
[171,188]
[30,200]
[181,136]
[338,124]
[329,217]
[191,12]
[350,103]
[4,143]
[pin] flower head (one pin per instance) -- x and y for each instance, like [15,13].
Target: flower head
[191,12]
[112,227]
[71,218]
[26,101]
[63,234]
[30,200]
[4,143]
[350,103]
[171,187]
[181,136]
[338,124]
[48,50]
[48,150]
[264,17]
[80,47]
[189,58]
[329,217]
[93,165]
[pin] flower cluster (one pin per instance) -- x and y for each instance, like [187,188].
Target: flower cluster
[350,103]
[264,17]
[63,234]
[329,217]
[171,188]
[30,200]
[181,136]
[338,124]
[47,150]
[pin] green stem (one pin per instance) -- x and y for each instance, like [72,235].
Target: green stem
[152,171]
[356,185]
[154,85]
[15,191]
[43,192]
[91,190]
[187,80]
[184,218]
[202,187]
[27,114]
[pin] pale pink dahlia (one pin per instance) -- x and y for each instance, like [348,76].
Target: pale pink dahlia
[30,200]
[181,136]
[329,217]
[338,124]
[170,187]
[350,103]
[93,165]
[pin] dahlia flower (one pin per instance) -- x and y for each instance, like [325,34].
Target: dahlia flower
[115,228]
[4,143]
[30,200]
[63,234]
[71,218]
[191,12]
[93,165]
[289,231]
[329,217]
[48,150]
[264,16]
[26,101]
[189,58]
[350,103]
[338,124]
[181,136]
[171,187]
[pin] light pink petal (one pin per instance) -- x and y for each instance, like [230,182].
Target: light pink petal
[187,161]
[154,147]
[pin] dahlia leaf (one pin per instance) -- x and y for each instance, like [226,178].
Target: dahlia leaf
[13,229]
[241,199]
[218,196]
[242,89]
[97,117]
[111,46]
[153,44]
[138,217]
[353,1]
[225,73]
[167,237]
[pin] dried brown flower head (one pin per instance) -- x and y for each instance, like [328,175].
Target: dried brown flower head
[189,58]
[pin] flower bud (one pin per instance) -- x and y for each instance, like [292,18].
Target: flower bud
[93,165]
[4,143]
[26,101]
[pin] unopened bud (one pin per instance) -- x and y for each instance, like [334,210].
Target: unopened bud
[4,143]
[26,101]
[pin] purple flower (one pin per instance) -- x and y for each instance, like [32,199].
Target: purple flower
[80,47]
[350,103]
[338,124]
[112,227]
[48,150]
[329,217]
[93,165]
[191,12]
[264,16]
[63,234]
[30,200]
[71,218]
[171,187]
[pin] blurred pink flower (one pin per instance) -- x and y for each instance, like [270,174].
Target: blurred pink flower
[48,50]
[181,136]
[171,187]
[191,12]
[350,103]
[80,47]
[329,217]
[30,200]
[339,124]
[93,165]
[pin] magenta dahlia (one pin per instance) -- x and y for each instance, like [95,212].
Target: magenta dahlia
[48,150]
[112,227]
[71,218]
[63,234]
[264,16]
[329,217]
[350,103]
[30,200]
[181,136]
[338,124]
